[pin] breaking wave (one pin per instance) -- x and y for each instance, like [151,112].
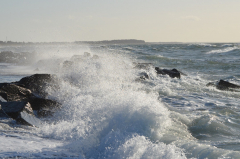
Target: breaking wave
[225,50]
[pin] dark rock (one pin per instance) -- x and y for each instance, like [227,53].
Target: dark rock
[224,85]
[44,113]
[144,76]
[21,112]
[41,103]
[211,84]
[172,73]
[3,84]
[3,97]
[18,102]
[2,114]
[12,92]
[38,83]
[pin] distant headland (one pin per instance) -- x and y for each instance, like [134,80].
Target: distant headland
[104,42]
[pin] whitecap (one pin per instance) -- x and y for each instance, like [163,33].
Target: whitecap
[225,50]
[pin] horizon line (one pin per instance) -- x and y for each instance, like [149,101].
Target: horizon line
[5,42]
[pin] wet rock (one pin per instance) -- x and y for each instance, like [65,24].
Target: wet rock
[38,83]
[211,84]
[40,103]
[148,66]
[44,113]
[2,114]
[18,101]
[225,85]
[172,73]
[21,112]
[12,92]
[144,76]
[3,97]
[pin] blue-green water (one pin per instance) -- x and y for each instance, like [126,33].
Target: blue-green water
[108,113]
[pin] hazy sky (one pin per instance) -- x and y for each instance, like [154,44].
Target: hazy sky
[149,20]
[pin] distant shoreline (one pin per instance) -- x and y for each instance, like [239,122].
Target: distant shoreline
[103,42]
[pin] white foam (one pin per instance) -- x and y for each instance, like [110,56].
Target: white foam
[107,114]
[228,49]
[139,147]
[28,146]
[101,97]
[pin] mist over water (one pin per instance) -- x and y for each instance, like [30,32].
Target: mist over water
[105,111]
[108,113]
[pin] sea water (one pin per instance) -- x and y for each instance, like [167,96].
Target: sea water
[107,112]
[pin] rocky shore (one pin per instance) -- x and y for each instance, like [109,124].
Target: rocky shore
[25,100]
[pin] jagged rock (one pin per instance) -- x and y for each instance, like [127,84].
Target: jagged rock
[225,85]
[44,113]
[12,92]
[21,112]
[3,97]
[147,66]
[40,103]
[2,114]
[211,84]
[172,73]
[38,83]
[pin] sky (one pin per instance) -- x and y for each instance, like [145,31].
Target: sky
[94,20]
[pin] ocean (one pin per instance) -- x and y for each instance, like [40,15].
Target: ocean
[108,112]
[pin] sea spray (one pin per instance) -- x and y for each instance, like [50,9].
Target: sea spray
[107,112]
[102,100]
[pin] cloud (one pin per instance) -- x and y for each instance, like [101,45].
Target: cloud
[191,18]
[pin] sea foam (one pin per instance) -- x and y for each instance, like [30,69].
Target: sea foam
[105,112]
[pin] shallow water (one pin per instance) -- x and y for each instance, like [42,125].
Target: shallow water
[107,113]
